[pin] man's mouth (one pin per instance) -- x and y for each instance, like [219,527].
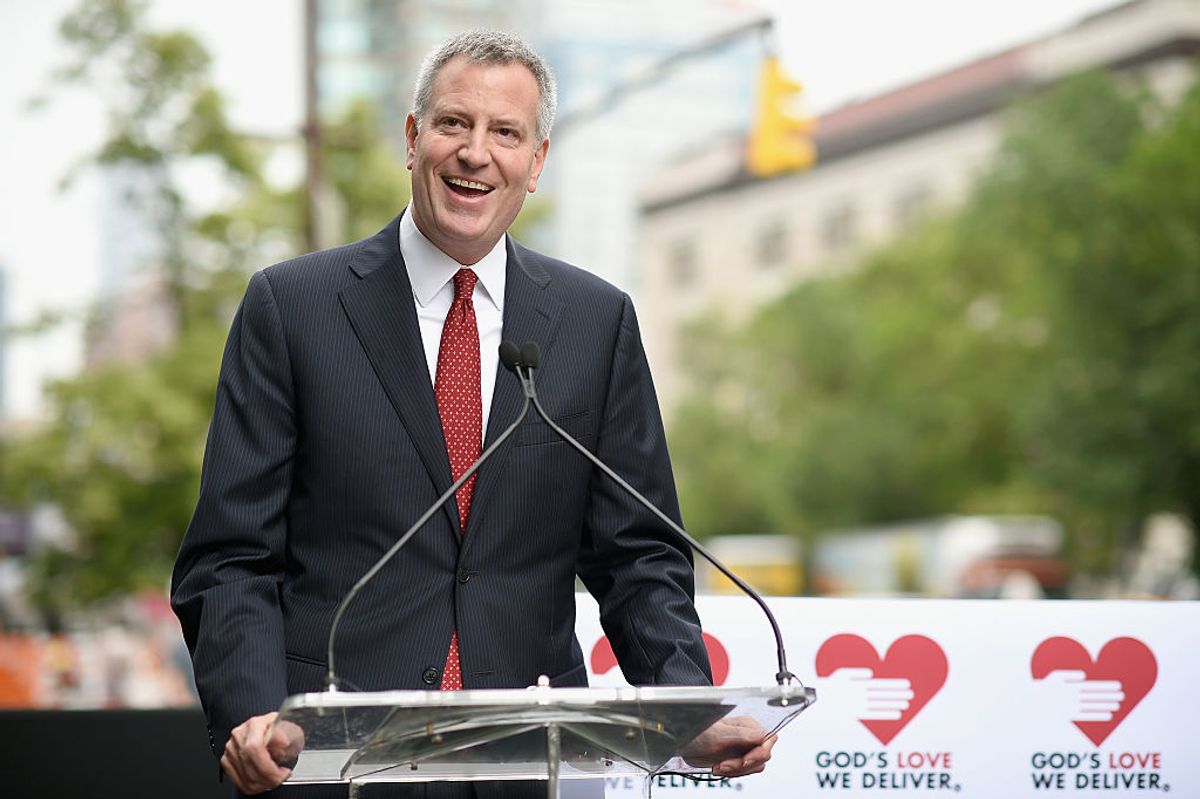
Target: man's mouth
[467,188]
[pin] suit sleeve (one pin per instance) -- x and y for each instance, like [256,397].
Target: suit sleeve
[635,567]
[225,585]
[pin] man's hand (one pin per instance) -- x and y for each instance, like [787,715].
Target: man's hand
[255,750]
[734,747]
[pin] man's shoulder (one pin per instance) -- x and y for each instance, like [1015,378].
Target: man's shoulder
[336,266]
[314,268]
[564,278]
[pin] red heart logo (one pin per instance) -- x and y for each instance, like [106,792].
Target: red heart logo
[914,657]
[1126,660]
[603,658]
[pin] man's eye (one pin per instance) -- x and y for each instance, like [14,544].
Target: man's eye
[451,122]
[507,133]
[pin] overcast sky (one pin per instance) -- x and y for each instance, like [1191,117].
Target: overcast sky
[48,239]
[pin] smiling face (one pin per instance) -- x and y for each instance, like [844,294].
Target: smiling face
[474,156]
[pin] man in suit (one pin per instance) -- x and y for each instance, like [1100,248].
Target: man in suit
[358,383]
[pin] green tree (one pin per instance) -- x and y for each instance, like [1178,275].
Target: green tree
[1115,425]
[122,463]
[1032,352]
[163,113]
[121,458]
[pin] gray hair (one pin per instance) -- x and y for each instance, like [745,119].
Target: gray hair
[489,47]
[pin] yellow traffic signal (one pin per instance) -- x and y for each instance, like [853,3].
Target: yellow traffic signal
[779,141]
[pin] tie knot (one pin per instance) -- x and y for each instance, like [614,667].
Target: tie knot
[464,284]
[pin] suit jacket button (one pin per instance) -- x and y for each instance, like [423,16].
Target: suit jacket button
[430,676]
[464,575]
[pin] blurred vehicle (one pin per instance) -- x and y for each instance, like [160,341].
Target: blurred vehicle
[979,557]
[770,563]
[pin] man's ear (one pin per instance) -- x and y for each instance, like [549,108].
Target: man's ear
[410,134]
[539,162]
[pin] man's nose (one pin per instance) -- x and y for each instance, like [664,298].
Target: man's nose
[474,151]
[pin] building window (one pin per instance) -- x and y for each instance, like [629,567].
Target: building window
[838,230]
[911,207]
[771,246]
[683,267]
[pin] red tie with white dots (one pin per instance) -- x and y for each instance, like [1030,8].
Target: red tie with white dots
[459,405]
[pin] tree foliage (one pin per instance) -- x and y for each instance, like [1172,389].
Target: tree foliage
[1034,351]
[162,114]
[121,458]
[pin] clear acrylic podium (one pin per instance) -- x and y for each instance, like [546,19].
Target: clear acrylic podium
[539,733]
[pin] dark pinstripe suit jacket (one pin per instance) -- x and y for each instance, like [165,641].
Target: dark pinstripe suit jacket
[325,446]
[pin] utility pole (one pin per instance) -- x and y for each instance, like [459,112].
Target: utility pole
[314,237]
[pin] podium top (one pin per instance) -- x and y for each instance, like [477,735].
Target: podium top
[397,736]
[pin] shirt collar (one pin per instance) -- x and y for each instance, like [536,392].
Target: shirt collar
[430,269]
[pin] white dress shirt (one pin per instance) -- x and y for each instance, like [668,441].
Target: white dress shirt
[431,273]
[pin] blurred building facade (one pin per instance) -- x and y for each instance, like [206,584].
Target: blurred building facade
[599,156]
[131,325]
[373,48]
[713,237]
[133,317]
[130,247]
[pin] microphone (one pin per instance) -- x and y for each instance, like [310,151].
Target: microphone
[529,357]
[511,357]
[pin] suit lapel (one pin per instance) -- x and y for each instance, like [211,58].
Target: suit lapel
[530,314]
[383,315]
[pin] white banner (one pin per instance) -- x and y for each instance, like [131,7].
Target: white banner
[975,699]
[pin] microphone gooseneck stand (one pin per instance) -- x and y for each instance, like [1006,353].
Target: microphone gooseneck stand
[529,358]
[522,362]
